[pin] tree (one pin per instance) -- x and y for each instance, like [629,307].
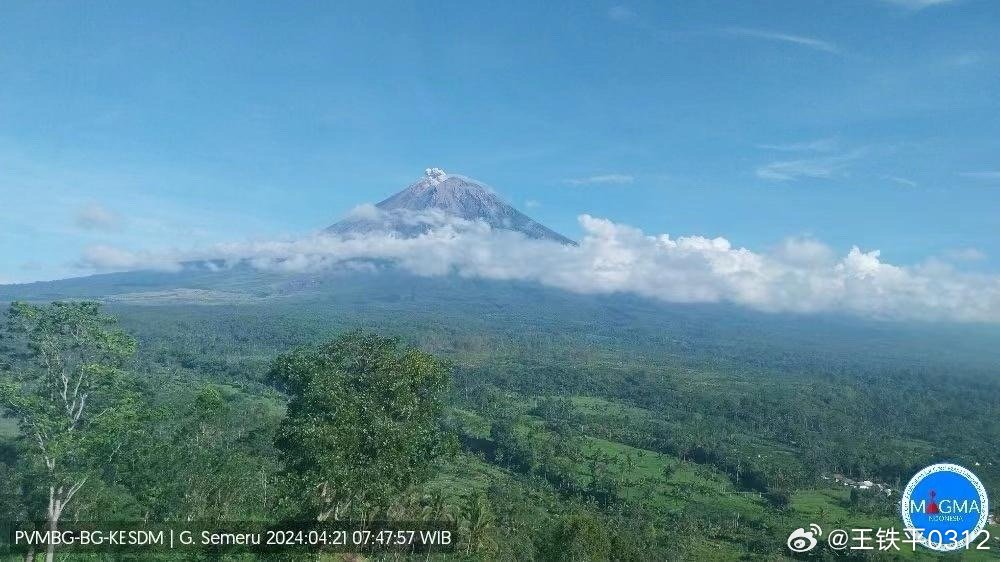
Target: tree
[364,423]
[68,389]
[477,525]
[204,455]
[19,501]
[578,537]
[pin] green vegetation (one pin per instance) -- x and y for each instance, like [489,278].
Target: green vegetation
[548,433]
[71,398]
[362,426]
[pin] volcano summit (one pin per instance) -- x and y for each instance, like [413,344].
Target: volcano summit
[440,192]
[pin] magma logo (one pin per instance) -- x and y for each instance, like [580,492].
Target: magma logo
[946,507]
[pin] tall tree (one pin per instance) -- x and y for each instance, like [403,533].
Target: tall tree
[578,537]
[363,423]
[204,455]
[69,391]
[477,525]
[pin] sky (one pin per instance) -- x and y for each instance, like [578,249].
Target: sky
[174,127]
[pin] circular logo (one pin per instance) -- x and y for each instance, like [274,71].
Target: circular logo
[945,507]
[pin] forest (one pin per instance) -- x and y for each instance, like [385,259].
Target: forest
[536,433]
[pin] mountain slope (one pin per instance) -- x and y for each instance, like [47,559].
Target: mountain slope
[452,195]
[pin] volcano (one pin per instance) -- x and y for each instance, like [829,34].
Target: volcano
[441,195]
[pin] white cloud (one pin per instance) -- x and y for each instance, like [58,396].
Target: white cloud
[801,275]
[532,204]
[621,13]
[606,179]
[901,181]
[985,176]
[918,4]
[965,254]
[366,211]
[805,252]
[799,40]
[97,217]
[109,258]
[792,170]
[965,59]
[818,145]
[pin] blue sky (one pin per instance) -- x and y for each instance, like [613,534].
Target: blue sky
[177,125]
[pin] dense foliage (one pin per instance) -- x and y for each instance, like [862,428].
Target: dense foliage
[73,403]
[586,429]
[362,425]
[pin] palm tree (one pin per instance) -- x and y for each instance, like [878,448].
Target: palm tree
[436,507]
[478,524]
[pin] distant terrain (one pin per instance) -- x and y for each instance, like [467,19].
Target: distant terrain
[584,423]
[730,421]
